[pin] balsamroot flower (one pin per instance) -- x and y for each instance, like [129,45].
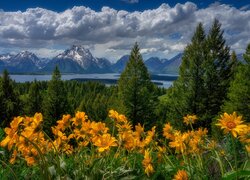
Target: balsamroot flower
[104,142]
[168,131]
[181,175]
[190,119]
[147,163]
[231,123]
[179,142]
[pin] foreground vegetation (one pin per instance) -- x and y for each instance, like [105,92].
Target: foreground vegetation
[81,148]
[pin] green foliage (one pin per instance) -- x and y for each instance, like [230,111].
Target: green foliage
[55,102]
[97,100]
[218,72]
[9,100]
[186,95]
[239,91]
[34,99]
[136,90]
[205,75]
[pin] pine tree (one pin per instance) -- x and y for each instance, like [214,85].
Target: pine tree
[235,64]
[186,95]
[9,100]
[135,90]
[204,78]
[239,91]
[55,103]
[34,99]
[217,72]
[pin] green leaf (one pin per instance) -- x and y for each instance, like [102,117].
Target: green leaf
[236,174]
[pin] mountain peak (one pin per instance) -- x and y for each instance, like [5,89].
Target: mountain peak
[80,55]
[80,49]
[26,54]
[5,57]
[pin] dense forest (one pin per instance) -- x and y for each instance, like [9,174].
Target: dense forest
[211,81]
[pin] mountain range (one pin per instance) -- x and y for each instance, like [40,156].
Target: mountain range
[77,59]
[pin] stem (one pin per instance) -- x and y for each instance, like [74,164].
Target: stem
[191,126]
[220,163]
[235,154]
[15,177]
[166,157]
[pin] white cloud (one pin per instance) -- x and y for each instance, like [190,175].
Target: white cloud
[111,33]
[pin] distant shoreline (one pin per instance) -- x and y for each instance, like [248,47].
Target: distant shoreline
[104,81]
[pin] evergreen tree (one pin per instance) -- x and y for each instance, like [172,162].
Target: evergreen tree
[135,90]
[239,91]
[235,64]
[217,72]
[34,99]
[204,78]
[186,95]
[9,100]
[55,102]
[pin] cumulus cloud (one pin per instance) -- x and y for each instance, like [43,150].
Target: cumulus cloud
[111,33]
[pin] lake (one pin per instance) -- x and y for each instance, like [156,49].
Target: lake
[113,76]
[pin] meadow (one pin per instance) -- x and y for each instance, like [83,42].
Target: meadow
[84,149]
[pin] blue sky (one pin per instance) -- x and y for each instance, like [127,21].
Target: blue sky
[109,28]
[129,5]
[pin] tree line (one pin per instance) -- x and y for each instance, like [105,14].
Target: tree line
[211,80]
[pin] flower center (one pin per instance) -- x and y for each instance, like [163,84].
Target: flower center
[231,125]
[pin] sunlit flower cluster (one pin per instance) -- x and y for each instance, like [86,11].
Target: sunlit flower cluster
[147,163]
[26,140]
[83,131]
[186,143]
[131,139]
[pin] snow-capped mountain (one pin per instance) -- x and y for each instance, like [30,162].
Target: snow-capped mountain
[5,57]
[77,59]
[22,57]
[22,62]
[80,55]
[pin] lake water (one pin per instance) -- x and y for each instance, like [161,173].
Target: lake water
[29,78]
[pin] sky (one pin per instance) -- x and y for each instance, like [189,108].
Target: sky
[109,28]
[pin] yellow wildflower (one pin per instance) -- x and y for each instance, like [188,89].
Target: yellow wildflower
[98,128]
[168,131]
[181,175]
[64,122]
[244,135]
[12,133]
[104,142]
[189,119]
[79,118]
[149,137]
[179,142]
[30,160]
[231,123]
[147,163]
